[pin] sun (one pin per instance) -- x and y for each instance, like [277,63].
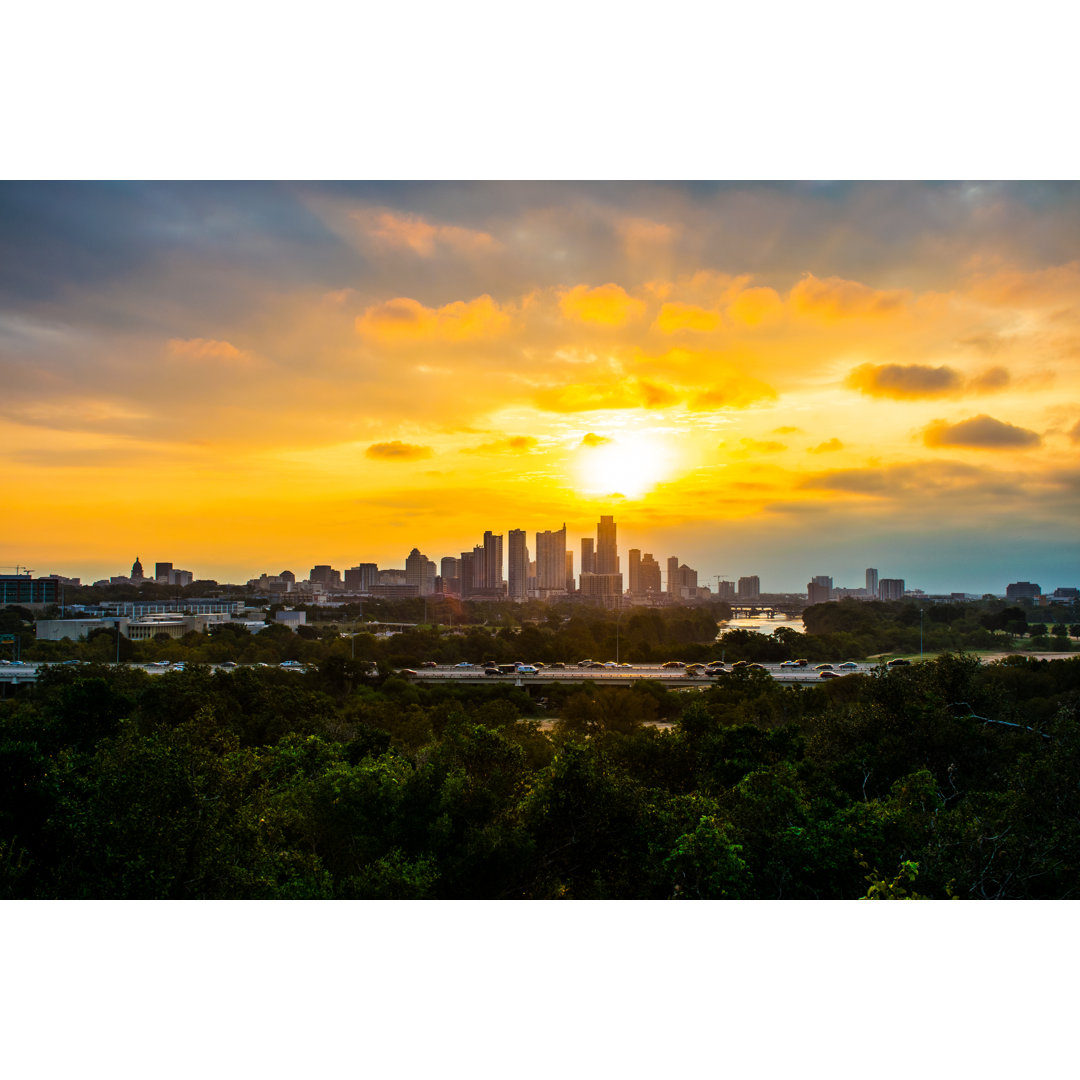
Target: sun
[628,464]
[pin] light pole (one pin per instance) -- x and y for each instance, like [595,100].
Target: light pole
[920,633]
[618,621]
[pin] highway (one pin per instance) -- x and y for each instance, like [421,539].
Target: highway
[622,675]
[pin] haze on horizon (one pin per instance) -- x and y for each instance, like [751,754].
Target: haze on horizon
[778,379]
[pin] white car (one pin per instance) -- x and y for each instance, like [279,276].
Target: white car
[527,669]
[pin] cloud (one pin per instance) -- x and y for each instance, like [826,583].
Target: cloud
[836,298]
[755,306]
[594,440]
[1074,433]
[752,447]
[606,305]
[406,320]
[208,349]
[738,392]
[414,233]
[904,380]
[826,447]
[980,432]
[642,237]
[514,444]
[786,430]
[676,316]
[619,394]
[991,380]
[397,451]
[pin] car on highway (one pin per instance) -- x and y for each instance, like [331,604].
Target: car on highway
[823,667]
[492,671]
[803,663]
[528,669]
[848,665]
[585,663]
[829,674]
[559,666]
[464,663]
[153,663]
[408,671]
[899,662]
[695,669]
[790,664]
[715,664]
[178,666]
[429,664]
[230,664]
[673,664]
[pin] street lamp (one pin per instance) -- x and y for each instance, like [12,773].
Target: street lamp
[618,620]
[920,633]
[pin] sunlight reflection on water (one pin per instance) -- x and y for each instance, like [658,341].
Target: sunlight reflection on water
[763,624]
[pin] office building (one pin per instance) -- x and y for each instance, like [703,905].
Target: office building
[607,552]
[891,589]
[817,593]
[749,588]
[551,562]
[633,578]
[649,578]
[1023,590]
[493,561]
[871,582]
[420,571]
[673,575]
[605,589]
[24,589]
[725,590]
[824,581]
[360,578]
[326,576]
[569,571]
[588,555]
[517,565]
[162,570]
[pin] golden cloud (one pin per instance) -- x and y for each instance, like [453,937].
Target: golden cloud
[826,447]
[1074,434]
[397,451]
[980,433]
[737,392]
[420,236]
[594,440]
[755,306]
[675,316]
[406,320]
[514,444]
[606,305]
[836,298]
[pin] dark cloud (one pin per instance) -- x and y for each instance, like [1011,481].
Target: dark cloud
[991,380]
[981,432]
[904,380]
[397,451]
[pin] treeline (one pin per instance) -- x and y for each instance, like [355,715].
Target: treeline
[945,779]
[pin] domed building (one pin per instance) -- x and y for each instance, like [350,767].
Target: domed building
[136,570]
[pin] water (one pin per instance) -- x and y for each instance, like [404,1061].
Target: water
[764,625]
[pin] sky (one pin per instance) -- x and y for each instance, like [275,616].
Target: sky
[782,379]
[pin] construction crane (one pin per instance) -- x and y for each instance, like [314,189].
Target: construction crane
[17,568]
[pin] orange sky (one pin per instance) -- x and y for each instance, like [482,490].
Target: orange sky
[777,379]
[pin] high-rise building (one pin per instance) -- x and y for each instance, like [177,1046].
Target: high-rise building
[358,578]
[588,555]
[162,570]
[634,572]
[891,588]
[607,551]
[750,588]
[517,568]
[725,590]
[420,571]
[649,577]
[569,571]
[817,593]
[673,575]
[493,561]
[871,581]
[451,574]
[551,562]
[136,570]
[823,580]
[326,576]
[466,573]
[682,581]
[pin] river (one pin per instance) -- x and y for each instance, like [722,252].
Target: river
[764,625]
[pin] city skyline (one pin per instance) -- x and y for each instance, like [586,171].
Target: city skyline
[783,380]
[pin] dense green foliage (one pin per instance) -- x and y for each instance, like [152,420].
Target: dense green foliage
[949,778]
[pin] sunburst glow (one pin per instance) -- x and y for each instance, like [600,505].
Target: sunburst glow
[629,464]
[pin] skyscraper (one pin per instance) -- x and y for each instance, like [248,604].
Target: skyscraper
[871,582]
[493,561]
[551,561]
[607,552]
[420,571]
[673,575]
[750,587]
[634,572]
[588,555]
[518,567]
